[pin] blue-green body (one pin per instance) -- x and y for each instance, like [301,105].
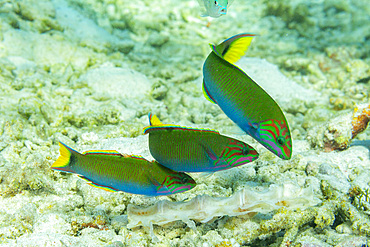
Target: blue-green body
[195,150]
[242,99]
[112,171]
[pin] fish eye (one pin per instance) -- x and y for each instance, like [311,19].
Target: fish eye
[215,2]
[280,140]
[184,179]
[245,150]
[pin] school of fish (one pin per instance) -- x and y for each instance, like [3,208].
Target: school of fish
[178,149]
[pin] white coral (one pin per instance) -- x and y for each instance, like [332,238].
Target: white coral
[204,208]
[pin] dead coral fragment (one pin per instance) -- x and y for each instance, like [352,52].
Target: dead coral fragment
[361,199]
[360,119]
[205,208]
[338,132]
[98,223]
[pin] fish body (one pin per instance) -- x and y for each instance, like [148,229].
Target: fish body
[242,99]
[195,150]
[112,171]
[214,8]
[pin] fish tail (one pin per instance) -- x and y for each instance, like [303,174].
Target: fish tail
[64,160]
[233,48]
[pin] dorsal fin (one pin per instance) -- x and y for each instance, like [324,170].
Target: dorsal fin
[176,127]
[157,125]
[139,157]
[103,152]
[233,48]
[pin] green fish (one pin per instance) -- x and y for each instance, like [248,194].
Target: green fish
[195,150]
[242,99]
[112,171]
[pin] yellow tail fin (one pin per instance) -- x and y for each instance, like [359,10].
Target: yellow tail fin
[154,120]
[233,48]
[237,49]
[62,163]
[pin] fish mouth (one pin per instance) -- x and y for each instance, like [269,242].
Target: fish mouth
[285,154]
[187,179]
[192,182]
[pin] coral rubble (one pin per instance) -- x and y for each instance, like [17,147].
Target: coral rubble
[338,132]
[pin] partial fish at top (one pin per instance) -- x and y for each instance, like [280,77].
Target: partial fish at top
[242,99]
[214,8]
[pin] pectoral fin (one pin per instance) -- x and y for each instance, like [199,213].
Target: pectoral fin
[214,158]
[211,155]
[160,188]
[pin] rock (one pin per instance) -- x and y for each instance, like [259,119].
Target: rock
[116,82]
[281,88]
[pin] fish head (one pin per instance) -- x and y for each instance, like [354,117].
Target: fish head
[238,153]
[178,182]
[275,136]
[221,6]
[216,8]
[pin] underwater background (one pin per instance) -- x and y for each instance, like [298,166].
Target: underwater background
[88,72]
